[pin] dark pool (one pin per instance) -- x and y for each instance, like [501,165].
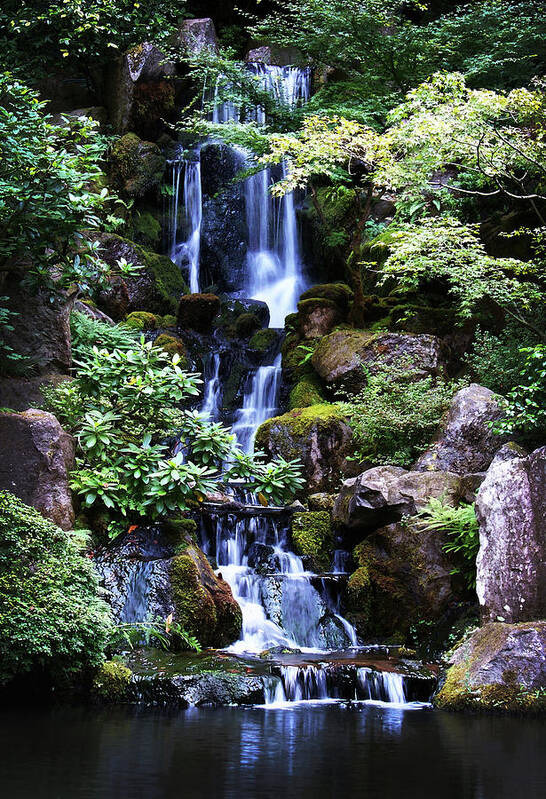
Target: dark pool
[304,751]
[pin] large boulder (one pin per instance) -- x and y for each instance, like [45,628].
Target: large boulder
[136,166]
[466,442]
[36,456]
[196,312]
[323,307]
[319,436]
[511,563]
[385,494]
[403,576]
[499,667]
[156,287]
[340,357]
[143,63]
[197,35]
[203,603]
[41,327]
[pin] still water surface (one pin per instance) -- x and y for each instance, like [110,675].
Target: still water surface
[302,751]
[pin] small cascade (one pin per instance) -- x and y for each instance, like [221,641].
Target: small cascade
[213,389]
[185,233]
[381,686]
[340,561]
[259,404]
[279,602]
[135,608]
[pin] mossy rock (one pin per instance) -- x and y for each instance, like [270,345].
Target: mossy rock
[305,393]
[141,320]
[112,682]
[340,294]
[204,605]
[137,166]
[246,325]
[169,320]
[263,340]
[498,668]
[312,537]
[173,346]
[359,591]
[147,228]
[197,311]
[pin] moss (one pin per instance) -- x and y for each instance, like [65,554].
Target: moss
[312,536]
[246,325]
[263,340]
[166,321]
[306,392]
[195,610]
[173,346]
[291,322]
[169,283]
[299,422]
[359,591]
[136,166]
[180,530]
[141,320]
[147,228]
[338,294]
[111,683]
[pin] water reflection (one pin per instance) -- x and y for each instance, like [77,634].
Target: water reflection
[305,751]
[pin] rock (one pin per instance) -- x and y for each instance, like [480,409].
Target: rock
[340,356]
[261,557]
[136,166]
[196,312]
[196,35]
[97,113]
[22,393]
[501,667]
[41,327]
[312,537]
[306,392]
[321,501]
[317,317]
[35,461]
[93,313]
[203,602]
[156,287]
[384,494]
[319,436]
[264,341]
[403,576]
[274,55]
[173,346]
[466,442]
[511,563]
[144,62]
[338,293]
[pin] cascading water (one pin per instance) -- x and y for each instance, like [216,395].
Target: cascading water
[213,388]
[185,234]
[259,404]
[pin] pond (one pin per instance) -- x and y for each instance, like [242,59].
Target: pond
[305,750]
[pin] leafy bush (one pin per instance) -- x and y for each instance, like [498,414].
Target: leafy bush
[495,361]
[87,333]
[525,406]
[461,526]
[394,418]
[122,407]
[51,617]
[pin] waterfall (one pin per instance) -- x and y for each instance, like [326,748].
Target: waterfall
[185,237]
[279,603]
[135,608]
[259,404]
[213,389]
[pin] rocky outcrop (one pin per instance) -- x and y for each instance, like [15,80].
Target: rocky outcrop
[384,494]
[41,322]
[319,436]
[156,286]
[403,576]
[511,563]
[272,54]
[197,35]
[196,312]
[323,307]
[36,456]
[144,63]
[501,667]
[136,166]
[466,442]
[340,357]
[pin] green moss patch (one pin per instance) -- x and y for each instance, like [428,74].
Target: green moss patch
[312,536]
[141,320]
[305,393]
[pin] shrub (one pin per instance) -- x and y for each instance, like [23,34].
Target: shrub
[87,333]
[394,418]
[52,620]
[496,361]
[525,406]
[461,526]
